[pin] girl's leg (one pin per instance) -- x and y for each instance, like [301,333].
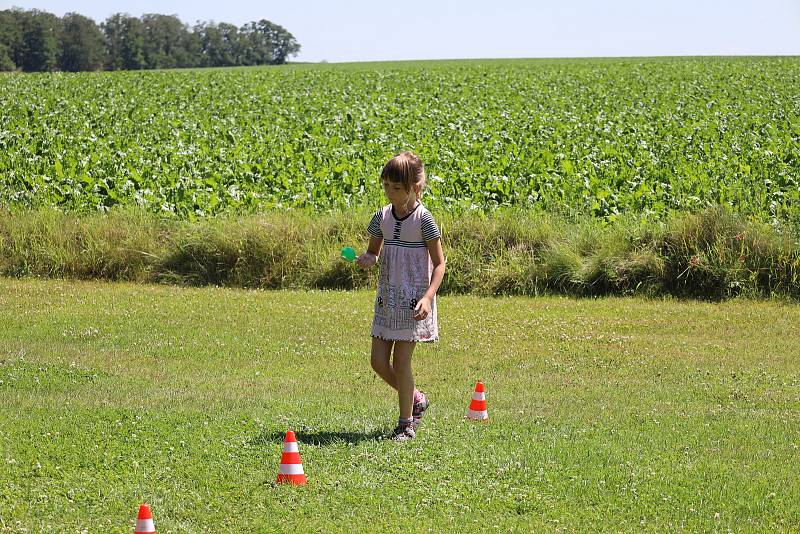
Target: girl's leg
[381,349]
[405,379]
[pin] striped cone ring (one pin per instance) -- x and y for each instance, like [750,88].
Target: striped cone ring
[291,468]
[144,521]
[477,406]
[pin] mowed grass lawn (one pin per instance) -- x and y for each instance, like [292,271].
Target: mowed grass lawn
[605,415]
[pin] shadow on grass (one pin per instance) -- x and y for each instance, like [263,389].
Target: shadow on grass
[322,438]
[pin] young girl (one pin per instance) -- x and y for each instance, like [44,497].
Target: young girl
[412,267]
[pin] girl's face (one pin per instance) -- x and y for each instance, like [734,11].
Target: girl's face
[398,196]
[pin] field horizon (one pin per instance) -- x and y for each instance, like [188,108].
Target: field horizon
[537,58]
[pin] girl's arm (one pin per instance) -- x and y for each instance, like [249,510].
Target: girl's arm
[423,308]
[370,257]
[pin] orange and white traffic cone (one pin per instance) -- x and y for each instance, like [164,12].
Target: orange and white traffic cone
[291,468]
[144,521]
[477,406]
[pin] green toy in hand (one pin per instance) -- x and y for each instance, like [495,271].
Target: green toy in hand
[348,254]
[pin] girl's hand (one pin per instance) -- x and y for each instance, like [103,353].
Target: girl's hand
[423,309]
[366,260]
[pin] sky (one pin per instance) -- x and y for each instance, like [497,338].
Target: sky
[375,30]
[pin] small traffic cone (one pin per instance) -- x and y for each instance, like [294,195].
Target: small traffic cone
[291,468]
[477,406]
[144,521]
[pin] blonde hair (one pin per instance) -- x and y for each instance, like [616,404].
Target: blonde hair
[405,168]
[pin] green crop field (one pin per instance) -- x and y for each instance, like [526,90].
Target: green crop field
[596,137]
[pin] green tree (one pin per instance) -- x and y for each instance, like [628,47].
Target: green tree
[164,44]
[82,44]
[220,44]
[112,33]
[267,43]
[283,43]
[11,38]
[6,63]
[191,50]
[256,47]
[133,44]
[39,41]
[41,47]
[124,37]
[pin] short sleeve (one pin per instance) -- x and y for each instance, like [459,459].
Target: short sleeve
[374,227]
[429,228]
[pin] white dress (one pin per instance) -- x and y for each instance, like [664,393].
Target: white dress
[405,274]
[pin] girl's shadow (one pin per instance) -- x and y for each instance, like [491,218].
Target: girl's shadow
[321,438]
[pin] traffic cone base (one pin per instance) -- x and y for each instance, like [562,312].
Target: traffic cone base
[144,521]
[477,405]
[291,469]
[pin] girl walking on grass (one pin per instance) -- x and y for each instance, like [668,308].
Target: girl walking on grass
[411,270]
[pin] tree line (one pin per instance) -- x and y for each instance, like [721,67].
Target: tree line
[38,41]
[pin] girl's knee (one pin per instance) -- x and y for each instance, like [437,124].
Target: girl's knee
[380,352]
[379,364]
[402,364]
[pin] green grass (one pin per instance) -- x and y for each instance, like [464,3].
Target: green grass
[713,254]
[606,414]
